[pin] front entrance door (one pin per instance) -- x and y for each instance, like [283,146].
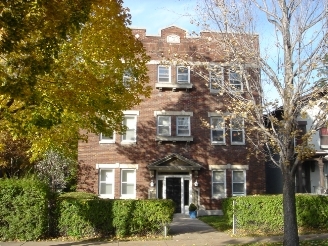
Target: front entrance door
[173,191]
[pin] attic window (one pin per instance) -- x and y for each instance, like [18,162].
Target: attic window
[173,39]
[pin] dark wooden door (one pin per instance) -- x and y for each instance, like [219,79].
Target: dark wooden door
[173,191]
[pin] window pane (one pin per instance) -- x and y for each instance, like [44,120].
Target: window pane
[218,176]
[183,128]
[237,136]
[130,122]
[129,135]
[217,136]
[164,130]
[127,189]
[238,176]
[238,188]
[218,188]
[106,188]
[164,120]
[106,175]
[128,176]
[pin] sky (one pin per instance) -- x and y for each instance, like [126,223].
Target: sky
[155,15]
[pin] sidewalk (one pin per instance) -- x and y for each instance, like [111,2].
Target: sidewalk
[183,232]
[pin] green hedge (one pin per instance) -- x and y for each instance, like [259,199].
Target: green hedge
[85,217]
[23,209]
[265,213]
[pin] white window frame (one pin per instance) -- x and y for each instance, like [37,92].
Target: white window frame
[134,130]
[244,182]
[129,181]
[168,68]
[218,196]
[234,130]
[179,81]
[177,125]
[111,181]
[214,78]
[106,139]
[158,125]
[218,128]
[234,81]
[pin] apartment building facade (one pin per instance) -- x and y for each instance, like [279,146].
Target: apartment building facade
[179,145]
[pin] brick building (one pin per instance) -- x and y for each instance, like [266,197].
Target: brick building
[178,145]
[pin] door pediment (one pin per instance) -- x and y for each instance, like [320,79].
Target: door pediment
[174,162]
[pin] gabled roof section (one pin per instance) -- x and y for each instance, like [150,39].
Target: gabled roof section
[174,162]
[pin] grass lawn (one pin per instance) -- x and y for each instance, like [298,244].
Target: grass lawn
[219,223]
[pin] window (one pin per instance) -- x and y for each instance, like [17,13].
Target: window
[128,183]
[237,131]
[301,127]
[216,78]
[164,125]
[164,74]
[324,138]
[106,183]
[238,182]
[183,126]
[183,74]
[217,130]
[218,184]
[106,139]
[130,121]
[127,78]
[235,81]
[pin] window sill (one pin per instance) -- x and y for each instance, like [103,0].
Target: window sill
[174,138]
[237,143]
[106,142]
[128,197]
[323,146]
[173,86]
[106,196]
[213,143]
[129,142]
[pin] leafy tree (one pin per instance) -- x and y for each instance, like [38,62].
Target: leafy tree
[295,40]
[61,70]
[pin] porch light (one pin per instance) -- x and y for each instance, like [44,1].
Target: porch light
[196,183]
[151,183]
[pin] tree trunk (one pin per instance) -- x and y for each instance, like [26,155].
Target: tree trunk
[289,209]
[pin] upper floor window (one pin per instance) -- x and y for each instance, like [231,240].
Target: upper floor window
[218,184]
[164,125]
[301,127]
[130,121]
[106,139]
[235,80]
[128,183]
[183,74]
[217,130]
[127,78]
[216,78]
[238,182]
[183,126]
[106,183]
[324,138]
[237,131]
[164,74]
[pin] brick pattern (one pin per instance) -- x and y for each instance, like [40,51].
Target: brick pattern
[146,150]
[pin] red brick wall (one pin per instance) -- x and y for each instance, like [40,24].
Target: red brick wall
[197,100]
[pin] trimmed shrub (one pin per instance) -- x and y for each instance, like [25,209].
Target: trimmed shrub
[265,213]
[85,215]
[23,209]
